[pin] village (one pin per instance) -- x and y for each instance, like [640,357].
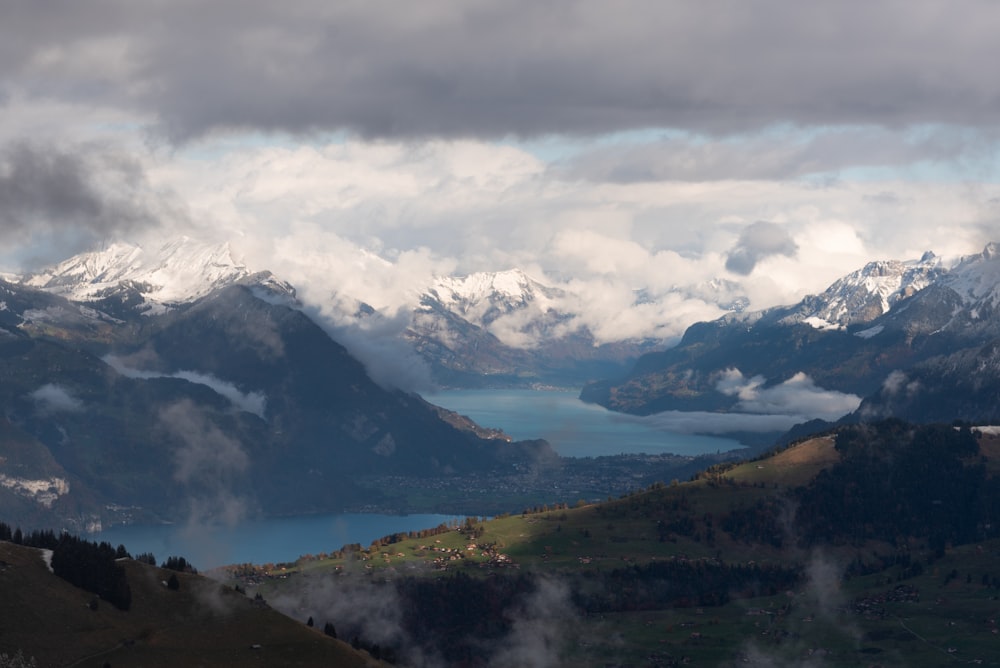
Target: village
[567,479]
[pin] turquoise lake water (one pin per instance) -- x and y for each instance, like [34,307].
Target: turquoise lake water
[574,428]
[272,540]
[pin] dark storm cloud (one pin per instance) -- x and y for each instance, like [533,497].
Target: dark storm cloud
[65,198]
[521,67]
[758,241]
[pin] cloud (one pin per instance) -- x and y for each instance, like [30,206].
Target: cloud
[897,381]
[349,221]
[211,468]
[64,199]
[798,396]
[206,452]
[493,70]
[786,153]
[377,341]
[757,242]
[360,608]
[817,611]
[538,633]
[250,402]
[52,398]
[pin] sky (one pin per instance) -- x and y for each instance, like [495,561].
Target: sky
[655,158]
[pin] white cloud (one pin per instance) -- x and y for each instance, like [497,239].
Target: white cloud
[52,398]
[897,381]
[798,396]
[599,152]
[250,402]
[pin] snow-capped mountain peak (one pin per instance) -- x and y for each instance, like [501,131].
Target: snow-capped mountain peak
[483,296]
[181,270]
[512,284]
[869,292]
[976,278]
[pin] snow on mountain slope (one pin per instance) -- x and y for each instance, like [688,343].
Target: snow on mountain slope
[976,278]
[179,271]
[867,293]
[483,297]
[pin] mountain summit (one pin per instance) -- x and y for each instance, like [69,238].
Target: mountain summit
[508,329]
[483,297]
[152,280]
[868,293]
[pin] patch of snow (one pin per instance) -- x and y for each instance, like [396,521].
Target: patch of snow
[47,558]
[976,278]
[819,323]
[870,332]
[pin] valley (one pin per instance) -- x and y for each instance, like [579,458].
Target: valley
[624,545]
[499,334]
[702,573]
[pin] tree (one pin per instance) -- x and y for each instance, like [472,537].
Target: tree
[173,583]
[309,623]
[17,661]
[329,630]
[92,567]
[178,564]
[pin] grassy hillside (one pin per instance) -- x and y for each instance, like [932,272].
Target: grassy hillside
[722,570]
[201,624]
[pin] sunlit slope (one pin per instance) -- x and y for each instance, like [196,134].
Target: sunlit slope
[762,563]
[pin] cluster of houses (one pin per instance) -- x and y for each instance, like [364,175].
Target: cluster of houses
[487,551]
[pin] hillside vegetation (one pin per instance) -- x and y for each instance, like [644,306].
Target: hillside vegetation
[201,623]
[870,545]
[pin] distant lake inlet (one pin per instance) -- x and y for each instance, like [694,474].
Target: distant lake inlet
[575,428]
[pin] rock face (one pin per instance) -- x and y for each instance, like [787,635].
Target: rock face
[917,339]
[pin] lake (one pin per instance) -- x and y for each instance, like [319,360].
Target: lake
[573,427]
[271,540]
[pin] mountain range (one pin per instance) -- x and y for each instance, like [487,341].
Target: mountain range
[487,329]
[913,339]
[176,382]
[496,329]
[127,397]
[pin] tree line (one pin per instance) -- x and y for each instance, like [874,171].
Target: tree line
[85,564]
[89,565]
